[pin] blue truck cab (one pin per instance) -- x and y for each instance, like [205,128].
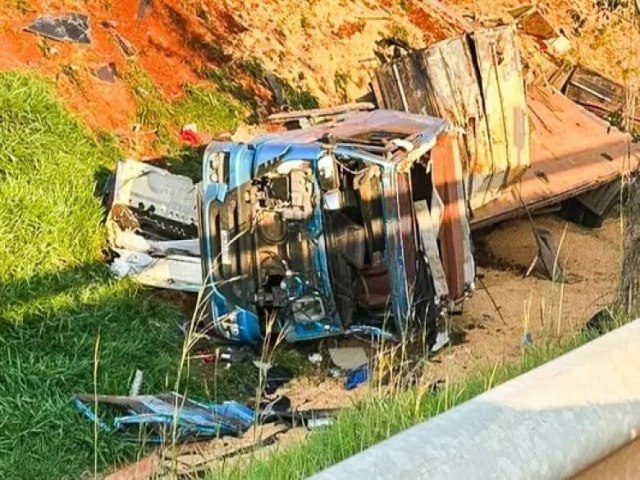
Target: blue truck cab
[359,223]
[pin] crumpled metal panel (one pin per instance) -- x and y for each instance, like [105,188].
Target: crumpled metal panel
[173,272]
[563,164]
[476,83]
[148,188]
[68,27]
[458,98]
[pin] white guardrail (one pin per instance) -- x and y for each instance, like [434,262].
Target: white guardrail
[552,422]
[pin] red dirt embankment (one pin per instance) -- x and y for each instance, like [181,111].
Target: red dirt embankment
[325,47]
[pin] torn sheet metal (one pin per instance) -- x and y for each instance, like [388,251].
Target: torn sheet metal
[69,27]
[429,244]
[306,118]
[173,272]
[572,152]
[155,195]
[165,417]
[602,199]
[106,72]
[533,22]
[475,81]
[152,228]
[129,240]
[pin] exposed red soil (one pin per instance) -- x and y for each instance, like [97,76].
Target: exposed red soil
[176,41]
[172,47]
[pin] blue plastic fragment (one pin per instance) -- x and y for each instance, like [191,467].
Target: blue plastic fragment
[356,377]
[165,416]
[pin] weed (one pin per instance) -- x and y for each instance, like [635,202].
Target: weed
[401,33]
[72,72]
[21,5]
[296,98]
[340,82]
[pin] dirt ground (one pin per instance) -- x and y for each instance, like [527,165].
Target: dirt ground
[591,261]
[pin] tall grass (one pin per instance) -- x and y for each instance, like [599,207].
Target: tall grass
[56,294]
[388,411]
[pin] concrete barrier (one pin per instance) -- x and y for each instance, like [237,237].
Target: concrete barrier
[552,422]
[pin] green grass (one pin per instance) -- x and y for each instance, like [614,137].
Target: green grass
[379,417]
[57,296]
[153,111]
[212,110]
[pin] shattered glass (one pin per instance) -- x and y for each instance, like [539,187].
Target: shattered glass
[69,27]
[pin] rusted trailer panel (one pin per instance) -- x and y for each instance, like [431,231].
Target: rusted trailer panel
[572,151]
[474,81]
[498,59]
[452,74]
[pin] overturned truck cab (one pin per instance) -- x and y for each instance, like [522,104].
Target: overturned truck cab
[350,225]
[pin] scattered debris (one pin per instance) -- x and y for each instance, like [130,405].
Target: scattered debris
[277,376]
[276,89]
[547,255]
[189,134]
[69,27]
[315,358]
[595,92]
[306,118]
[272,410]
[125,45]
[442,340]
[152,227]
[533,22]
[314,419]
[356,377]
[348,358]
[166,417]
[106,72]
[590,208]
[143,7]
[137,383]
[173,272]
[232,354]
[372,331]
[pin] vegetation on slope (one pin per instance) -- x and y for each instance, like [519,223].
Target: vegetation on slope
[58,298]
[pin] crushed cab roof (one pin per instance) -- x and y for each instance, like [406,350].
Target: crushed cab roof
[371,128]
